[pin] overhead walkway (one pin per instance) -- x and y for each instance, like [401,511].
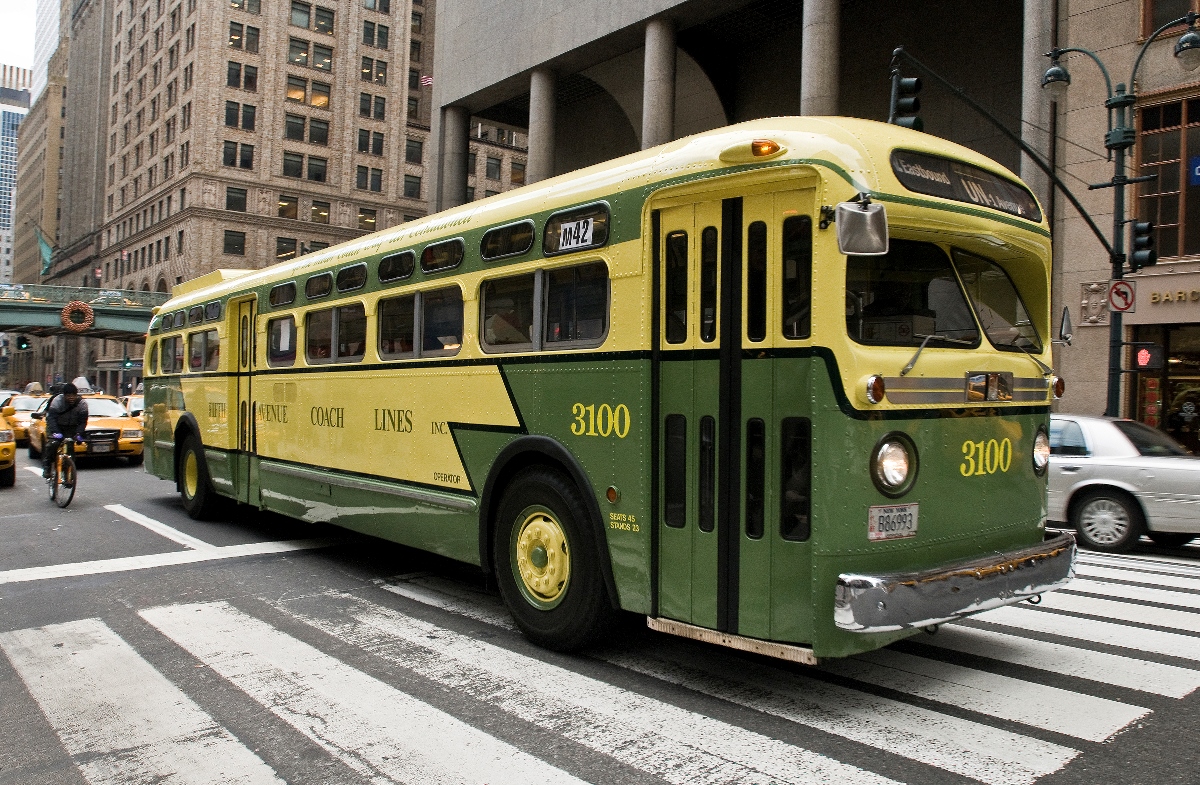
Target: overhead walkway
[32,309]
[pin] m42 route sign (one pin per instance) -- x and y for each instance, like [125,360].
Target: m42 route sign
[1122,296]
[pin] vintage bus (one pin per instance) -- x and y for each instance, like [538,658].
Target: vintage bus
[781,386]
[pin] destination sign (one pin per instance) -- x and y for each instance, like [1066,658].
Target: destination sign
[962,182]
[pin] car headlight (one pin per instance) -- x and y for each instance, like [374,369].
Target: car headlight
[7,436]
[1041,452]
[894,464]
[132,433]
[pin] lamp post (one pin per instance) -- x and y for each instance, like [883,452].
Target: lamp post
[1120,137]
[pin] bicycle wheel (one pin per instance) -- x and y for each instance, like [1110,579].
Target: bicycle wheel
[52,480]
[65,481]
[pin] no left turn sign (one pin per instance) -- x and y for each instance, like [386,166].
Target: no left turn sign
[1122,297]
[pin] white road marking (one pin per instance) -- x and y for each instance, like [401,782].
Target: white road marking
[35,470]
[375,729]
[150,561]
[119,718]
[1169,680]
[1164,580]
[1124,591]
[675,744]
[441,594]
[160,528]
[1147,562]
[1136,638]
[1050,708]
[1116,610]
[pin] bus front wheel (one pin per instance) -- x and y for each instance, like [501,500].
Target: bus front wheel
[199,499]
[547,565]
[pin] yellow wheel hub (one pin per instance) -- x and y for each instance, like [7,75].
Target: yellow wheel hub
[191,475]
[543,558]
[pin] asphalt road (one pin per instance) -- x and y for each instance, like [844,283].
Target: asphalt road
[139,646]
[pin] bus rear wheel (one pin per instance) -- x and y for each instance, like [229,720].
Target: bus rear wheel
[547,565]
[199,499]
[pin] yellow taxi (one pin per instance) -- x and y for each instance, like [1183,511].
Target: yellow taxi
[136,404]
[8,449]
[24,406]
[110,432]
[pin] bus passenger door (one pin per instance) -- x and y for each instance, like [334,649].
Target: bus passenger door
[244,340]
[689,383]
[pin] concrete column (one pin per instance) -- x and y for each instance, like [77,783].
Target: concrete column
[543,112]
[658,84]
[1035,103]
[819,55]
[455,128]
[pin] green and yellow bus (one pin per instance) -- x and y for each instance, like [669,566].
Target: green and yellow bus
[781,386]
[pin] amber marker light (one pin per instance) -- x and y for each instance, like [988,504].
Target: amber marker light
[612,494]
[754,151]
[763,147]
[1060,386]
[875,389]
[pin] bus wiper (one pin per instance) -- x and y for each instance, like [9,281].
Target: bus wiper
[1046,369]
[904,371]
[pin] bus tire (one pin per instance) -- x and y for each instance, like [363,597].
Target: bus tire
[199,498]
[1107,520]
[547,564]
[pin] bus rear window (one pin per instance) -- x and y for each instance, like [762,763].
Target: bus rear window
[576,305]
[442,322]
[905,296]
[281,341]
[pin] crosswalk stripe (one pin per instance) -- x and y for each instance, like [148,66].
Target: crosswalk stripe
[1140,562]
[119,718]
[1124,591]
[1169,581]
[1153,677]
[675,744]
[1117,610]
[1109,633]
[1050,708]
[974,750]
[159,528]
[372,727]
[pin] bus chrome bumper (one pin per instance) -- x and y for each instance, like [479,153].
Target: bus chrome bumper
[899,601]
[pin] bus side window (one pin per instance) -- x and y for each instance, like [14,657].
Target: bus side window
[797,276]
[196,352]
[441,322]
[577,304]
[507,313]
[795,498]
[154,358]
[212,350]
[708,284]
[281,341]
[756,281]
[318,336]
[675,287]
[351,332]
[396,321]
[177,346]
[168,352]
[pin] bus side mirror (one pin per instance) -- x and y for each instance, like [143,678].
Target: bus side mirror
[1064,331]
[861,228]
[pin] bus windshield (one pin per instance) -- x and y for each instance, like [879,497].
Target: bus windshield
[913,292]
[905,296]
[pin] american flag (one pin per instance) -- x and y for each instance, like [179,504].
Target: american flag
[426,80]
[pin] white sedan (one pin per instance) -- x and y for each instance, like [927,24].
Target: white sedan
[1115,480]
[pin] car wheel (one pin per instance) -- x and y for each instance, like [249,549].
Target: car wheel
[1170,539]
[199,499]
[8,477]
[34,452]
[547,565]
[1107,520]
[136,460]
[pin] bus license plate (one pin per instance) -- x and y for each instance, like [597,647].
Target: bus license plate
[100,447]
[892,522]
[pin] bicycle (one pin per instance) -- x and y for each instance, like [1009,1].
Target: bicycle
[62,473]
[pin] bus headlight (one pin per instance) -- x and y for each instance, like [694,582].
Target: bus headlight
[894,464]
[1041,452]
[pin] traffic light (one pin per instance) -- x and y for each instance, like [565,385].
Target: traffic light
[127,363]
[905,103]
[1142,242]
[22,343]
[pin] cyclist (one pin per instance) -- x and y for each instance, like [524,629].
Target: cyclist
[66,417]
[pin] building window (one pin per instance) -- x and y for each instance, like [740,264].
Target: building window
[414,79]
[418,21]
[288,206]
[323,20]
[319,214]
[301,14]
[317,169]
[293,164]
[285,248]
[412,186]
[413,151]
[518,173]
[382,6]
[297,51]
[186,115]
[471,164]
[375,35]
[235,243]
[374,71]
[1156,13]
[318,131]
[297,89]
[1168,143]
[368,179]
[229,154]
[246,156]
[240,115]
[322,57]
[293,127]
[320,95]
[366,219]
[414,51]
[237,75]
[492,168]
[252,6]
[235,199]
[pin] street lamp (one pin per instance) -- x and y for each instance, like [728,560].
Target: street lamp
[1121,137]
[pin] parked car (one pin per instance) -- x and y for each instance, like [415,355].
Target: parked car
[110,432]
[1114,480]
